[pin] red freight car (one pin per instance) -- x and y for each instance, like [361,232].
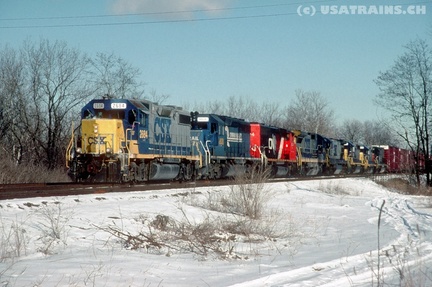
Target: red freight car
[398,159]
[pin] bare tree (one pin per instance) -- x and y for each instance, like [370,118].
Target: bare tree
[406,90]
[244,108]
[309,111]
[237,107]
[368,133]
[10,72]
[378,133]
[13,141]
[114,77]
[352,130]
[211,107]
[56,82]
[269,113]
[157,98]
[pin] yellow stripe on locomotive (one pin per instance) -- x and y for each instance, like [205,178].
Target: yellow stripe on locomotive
[101,136]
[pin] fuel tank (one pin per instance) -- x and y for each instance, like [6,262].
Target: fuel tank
[160,171]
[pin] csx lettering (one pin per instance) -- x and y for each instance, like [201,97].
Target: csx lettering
[162,130]
[96,140]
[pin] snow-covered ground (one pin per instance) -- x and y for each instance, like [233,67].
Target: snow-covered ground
[309,233]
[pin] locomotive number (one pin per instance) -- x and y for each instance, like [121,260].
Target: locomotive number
[98,106]
[143,134]
[118,106]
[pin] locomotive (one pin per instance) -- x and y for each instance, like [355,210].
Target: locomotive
[131,140]
[124,140]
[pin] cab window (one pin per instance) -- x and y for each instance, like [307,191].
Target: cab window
[143,119]
[213,127]
[131,116]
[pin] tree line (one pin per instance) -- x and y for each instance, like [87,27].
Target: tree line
[307,111]
[43,85]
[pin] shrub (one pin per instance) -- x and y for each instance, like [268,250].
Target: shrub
[53,225]
[246,197]
[13,240]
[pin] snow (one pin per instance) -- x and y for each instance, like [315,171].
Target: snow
[311,233]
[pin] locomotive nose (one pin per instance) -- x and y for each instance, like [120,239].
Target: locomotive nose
[101,136]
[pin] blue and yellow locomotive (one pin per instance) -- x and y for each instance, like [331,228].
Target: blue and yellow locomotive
[132,140]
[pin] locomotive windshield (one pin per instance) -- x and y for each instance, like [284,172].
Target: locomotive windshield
[103,114]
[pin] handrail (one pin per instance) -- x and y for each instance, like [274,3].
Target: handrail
[127,143]
[207,151]
[299,157]
[69,147]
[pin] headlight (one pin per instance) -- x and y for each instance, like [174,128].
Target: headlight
[108,150]
[79,150]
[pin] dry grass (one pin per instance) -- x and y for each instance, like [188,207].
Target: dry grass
[29,173]
[248,196]
[404,185]
[13,240]
[234,224]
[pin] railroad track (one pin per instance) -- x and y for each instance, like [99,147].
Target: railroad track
[29,190]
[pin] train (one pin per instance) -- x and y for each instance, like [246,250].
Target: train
[130,140]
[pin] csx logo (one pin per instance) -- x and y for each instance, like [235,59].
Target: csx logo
[96,140]
[162,130]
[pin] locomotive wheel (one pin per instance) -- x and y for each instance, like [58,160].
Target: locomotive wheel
[186,172]
[215,172]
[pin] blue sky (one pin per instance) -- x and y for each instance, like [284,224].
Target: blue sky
[262,50]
